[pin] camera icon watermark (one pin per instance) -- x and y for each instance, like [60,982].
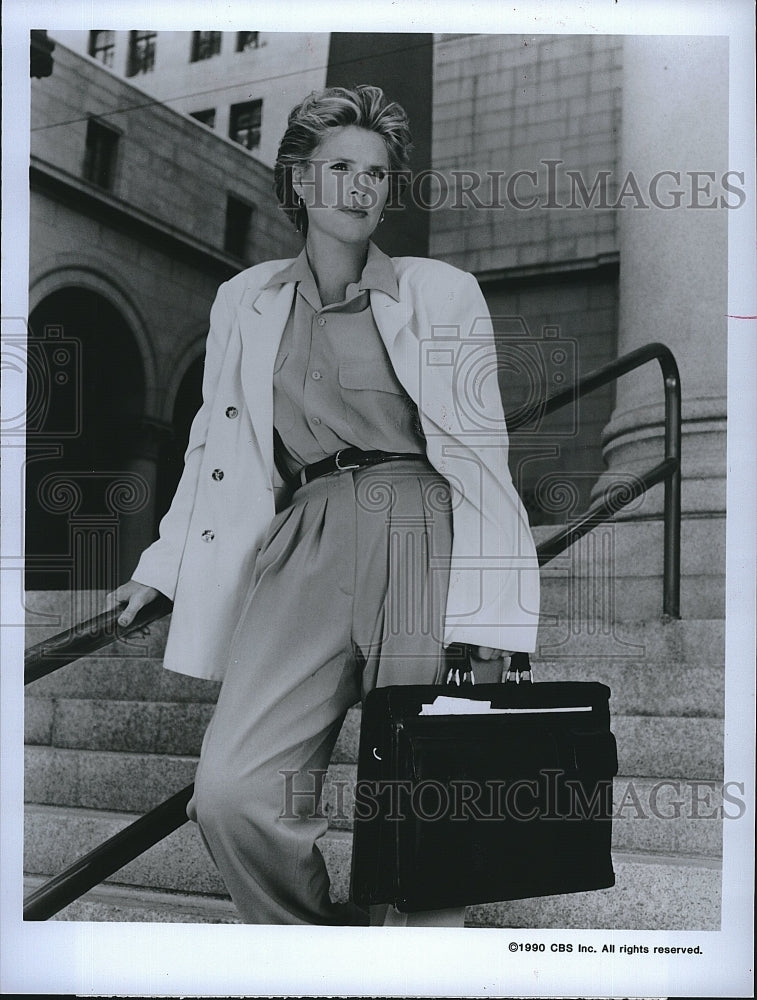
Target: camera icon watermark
[497,364]
[43,377]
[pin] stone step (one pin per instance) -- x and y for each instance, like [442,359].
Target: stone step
[650,667]
[648,746]
[55,837]
[668,816]
[119,678]
[652,890]
[574,602]
[128,726]
[645,687]
[619,566]
[130,904]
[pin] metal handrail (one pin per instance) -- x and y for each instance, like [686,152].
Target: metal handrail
[668,471]
[87,637]
[106,859]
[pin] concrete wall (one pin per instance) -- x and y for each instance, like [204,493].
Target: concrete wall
[506,103]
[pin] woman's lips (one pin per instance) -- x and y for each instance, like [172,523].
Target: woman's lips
[359,213]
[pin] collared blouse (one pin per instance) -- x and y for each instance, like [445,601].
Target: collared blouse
[333,382]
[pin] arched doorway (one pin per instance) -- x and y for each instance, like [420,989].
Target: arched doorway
[85,401]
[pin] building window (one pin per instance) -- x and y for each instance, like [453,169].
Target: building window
[238,227]
[102,46]
[244,123]
[247,40]
[207,117]
[141,52]
[205,44]
[100,154]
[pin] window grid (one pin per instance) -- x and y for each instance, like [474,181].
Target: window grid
[100,154]
[248,40]
[141,52]
[102,46]
[244,123]
[205,45]
[207,116]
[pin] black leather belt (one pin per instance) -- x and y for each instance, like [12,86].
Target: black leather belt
[345,460]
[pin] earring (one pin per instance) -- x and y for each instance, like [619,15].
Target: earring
[301,215]
[381,218]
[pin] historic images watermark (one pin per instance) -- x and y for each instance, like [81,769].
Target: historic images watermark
[550,185]
[551,795]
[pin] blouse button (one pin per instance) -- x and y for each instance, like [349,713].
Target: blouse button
[217,474]
[321,321]
[231,412]
[317,375]
[208,536]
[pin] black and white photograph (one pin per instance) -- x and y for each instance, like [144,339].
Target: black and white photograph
[378,540]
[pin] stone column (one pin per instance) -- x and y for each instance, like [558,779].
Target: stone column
[673,284]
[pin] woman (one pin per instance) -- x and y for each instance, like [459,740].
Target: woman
[345,510]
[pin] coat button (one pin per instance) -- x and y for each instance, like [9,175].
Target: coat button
[208,536]
[231,412]
[217,474]
[317,375]
[321,321]
[315,420]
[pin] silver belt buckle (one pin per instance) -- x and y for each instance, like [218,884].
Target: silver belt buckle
[344,468]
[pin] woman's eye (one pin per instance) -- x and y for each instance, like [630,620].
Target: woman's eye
[339,166]
[378,174]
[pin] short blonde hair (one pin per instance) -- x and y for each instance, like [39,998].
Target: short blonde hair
[335,107]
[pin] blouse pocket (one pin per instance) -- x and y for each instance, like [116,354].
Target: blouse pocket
[366,375]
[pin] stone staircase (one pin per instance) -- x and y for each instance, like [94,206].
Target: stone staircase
[112,735]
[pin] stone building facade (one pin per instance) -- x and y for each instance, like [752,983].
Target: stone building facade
[241,84]
[137,214]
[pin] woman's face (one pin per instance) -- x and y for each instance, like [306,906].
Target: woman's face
[345,184]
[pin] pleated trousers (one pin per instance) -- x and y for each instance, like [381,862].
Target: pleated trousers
[348,592]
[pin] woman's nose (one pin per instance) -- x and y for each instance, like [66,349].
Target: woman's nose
[358,189]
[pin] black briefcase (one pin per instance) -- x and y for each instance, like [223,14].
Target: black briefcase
[505,803]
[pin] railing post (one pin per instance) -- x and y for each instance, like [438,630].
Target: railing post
[672,499]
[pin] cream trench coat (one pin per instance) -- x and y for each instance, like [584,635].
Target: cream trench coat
[438,336]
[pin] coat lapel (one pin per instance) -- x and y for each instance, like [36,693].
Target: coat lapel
[262,318]
[394,324]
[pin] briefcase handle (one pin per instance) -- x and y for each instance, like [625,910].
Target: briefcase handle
[519,670]
[461,669]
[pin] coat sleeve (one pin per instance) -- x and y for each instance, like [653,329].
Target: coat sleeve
[493,594]
[159,564]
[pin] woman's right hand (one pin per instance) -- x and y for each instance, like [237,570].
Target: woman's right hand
[134,595]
